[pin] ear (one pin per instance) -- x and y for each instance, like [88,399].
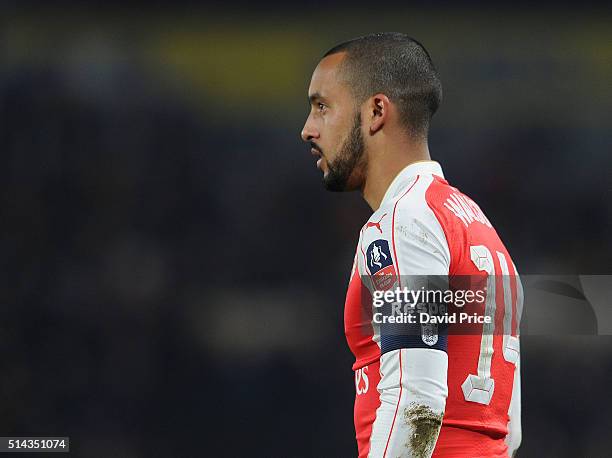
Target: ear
[378,108]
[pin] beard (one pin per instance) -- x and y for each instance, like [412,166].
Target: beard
[349,157]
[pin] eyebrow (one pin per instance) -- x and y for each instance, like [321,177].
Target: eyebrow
[312,98]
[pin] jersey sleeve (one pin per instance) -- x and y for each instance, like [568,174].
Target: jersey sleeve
[513,439]
[414,364]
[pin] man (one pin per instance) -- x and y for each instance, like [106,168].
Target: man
[439,392]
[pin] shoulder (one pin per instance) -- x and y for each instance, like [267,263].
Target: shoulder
[417,235]
[432,199]
[417,202]
[452,207]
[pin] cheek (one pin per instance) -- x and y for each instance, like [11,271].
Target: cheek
[332,134]
[333,126]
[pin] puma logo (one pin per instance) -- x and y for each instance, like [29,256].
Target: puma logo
[377,224]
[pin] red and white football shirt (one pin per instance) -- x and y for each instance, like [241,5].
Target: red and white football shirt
[424,226]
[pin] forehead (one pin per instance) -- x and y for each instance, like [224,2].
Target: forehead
[327,80]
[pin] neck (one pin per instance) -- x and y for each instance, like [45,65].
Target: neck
[385,164]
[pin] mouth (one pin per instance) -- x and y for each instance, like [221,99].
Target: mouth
[316,153]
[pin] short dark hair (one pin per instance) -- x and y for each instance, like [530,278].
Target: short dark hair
[399,67]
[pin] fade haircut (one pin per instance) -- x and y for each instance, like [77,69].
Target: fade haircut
[399,67]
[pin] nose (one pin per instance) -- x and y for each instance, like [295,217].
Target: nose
[308,131]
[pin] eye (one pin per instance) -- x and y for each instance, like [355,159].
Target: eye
[321,106]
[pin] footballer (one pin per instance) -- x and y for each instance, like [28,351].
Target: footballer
[437,393]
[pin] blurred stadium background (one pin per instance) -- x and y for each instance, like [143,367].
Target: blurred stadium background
[173,272]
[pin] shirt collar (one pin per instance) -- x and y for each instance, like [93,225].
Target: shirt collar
[408,173]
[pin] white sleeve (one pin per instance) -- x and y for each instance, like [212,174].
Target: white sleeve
[513,439]
[413,394]
[413,386]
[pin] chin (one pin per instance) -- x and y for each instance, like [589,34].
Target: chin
[335,183]
[332,185]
